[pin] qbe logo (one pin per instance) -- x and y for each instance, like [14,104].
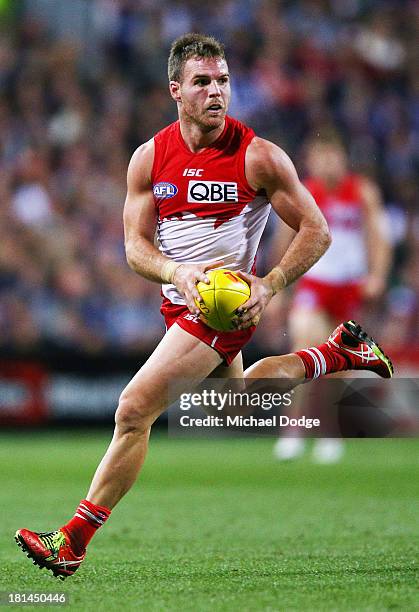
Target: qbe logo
[210,192]
[164,190]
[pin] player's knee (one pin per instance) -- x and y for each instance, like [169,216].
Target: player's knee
[132,414]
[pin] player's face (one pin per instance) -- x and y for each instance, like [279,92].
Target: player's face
[204,93]
[326,161]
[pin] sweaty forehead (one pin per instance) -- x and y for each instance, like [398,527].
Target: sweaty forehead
[212,66]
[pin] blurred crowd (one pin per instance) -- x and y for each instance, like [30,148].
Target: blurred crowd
[83,83]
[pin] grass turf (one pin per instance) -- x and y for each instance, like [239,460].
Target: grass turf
[219,525]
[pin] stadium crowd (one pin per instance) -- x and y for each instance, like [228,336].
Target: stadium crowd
[84,83]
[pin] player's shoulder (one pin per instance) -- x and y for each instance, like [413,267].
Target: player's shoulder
[141,163]
[267,154]
[266,161]
[144,151]
[143,155]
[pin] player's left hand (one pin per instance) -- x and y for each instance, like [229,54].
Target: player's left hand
[261,293]
[185,279]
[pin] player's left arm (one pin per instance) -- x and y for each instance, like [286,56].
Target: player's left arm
[377,240]
[268,167]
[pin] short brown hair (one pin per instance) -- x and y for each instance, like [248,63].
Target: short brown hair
[191,45]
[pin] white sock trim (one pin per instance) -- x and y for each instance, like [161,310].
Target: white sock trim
[317,365]
[322,360]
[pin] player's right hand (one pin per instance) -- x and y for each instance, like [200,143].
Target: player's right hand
[187,276]
[261,293]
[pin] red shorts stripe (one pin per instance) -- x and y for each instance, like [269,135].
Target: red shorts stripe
[227,344]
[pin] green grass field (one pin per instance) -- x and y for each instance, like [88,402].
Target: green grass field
[219,525]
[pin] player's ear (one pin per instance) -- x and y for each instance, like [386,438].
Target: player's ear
[174,88]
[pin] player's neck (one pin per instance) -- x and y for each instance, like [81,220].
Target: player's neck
[195,138]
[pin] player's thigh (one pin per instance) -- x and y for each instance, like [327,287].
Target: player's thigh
[178,363]
[226,378]
[234,370]
[308,327]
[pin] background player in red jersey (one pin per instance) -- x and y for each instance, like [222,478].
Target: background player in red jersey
[206,181]
[353,271]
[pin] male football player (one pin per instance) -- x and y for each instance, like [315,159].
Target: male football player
[352,273]
[206,184]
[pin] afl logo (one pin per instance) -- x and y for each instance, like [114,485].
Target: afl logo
[163,191]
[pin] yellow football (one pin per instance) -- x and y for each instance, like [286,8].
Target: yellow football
[221,298]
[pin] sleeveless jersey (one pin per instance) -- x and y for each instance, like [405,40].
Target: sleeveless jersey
[207,211]
[346,259]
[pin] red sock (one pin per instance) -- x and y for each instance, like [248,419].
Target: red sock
[82,527]
[321,360]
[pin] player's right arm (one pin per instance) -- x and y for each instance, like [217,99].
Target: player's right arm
[140,222]
[269,168]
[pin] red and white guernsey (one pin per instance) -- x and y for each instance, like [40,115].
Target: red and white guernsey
[346,260]
[207,211]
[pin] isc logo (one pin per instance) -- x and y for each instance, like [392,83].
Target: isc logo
[210,192]
[193,172]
